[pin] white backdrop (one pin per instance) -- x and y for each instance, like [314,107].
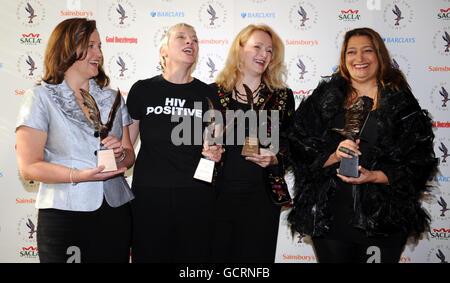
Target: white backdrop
[418,44]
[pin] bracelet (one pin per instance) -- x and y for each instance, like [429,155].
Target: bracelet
[71,176]
[124,154]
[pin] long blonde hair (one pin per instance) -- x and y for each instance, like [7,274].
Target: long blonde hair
[275,72]
[164,42]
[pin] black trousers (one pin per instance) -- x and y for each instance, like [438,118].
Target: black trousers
[172,224]
[246,228]
[372,250]
[103,235]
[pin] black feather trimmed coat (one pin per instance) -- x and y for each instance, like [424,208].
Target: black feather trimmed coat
[403,151]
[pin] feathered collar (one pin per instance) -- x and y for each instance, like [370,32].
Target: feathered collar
[332,93]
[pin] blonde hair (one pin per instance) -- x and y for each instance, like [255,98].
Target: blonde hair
[275,73]
[164,42]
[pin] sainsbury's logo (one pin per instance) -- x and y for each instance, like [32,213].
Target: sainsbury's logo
[298,257]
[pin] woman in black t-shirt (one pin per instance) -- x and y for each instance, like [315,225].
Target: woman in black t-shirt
[172,211]
[246,220]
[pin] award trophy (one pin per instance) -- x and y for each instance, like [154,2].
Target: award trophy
[205,168]
[104,156]
[355,120]
[251,145]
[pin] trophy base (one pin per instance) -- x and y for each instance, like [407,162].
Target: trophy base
[205,170]
[349,167]
[250,147]
[106,158]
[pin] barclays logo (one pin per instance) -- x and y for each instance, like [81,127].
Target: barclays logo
[258,15]
[166,14]
[399,40]
[439,179]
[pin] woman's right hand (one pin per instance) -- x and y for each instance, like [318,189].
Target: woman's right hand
[348,144]
[95,174]
[337,156]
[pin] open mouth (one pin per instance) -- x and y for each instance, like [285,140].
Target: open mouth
[260,62]
[96,63]
[188,51]
[361,66]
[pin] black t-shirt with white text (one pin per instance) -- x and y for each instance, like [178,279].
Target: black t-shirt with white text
[170,151]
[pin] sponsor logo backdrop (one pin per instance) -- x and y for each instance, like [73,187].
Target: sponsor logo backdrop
[415,31]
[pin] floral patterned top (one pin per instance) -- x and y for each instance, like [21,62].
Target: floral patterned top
[273,101]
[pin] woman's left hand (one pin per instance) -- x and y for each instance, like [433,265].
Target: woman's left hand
[264,159]
[114,143]
[365,176]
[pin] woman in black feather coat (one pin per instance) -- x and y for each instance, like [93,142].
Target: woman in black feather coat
[368,218]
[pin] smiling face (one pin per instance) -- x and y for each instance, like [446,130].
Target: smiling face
[87,67]
[256,53]
[361,60]
[181,48]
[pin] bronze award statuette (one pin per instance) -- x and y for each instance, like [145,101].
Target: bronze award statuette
[355,120]
[104,156]
[251,145]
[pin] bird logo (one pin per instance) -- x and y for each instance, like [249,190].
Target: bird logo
[122,13]
[440,255]
[302,68]
[31,226]
[212,13]
[30,11]
[443,204]
[212,67]
[395,64]
[32,65]
[446,37]
[444,94]
[303,15]
[398,13]
[444,150]
[122,65]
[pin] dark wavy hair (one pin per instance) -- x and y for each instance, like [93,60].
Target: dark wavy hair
[61,51]
[387,76]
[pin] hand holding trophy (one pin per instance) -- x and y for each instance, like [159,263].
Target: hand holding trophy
[205,168]
[355,120]
[251,145]
[104,156]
